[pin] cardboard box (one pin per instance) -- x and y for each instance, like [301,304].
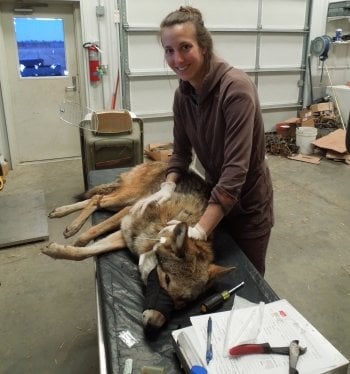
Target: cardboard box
[322,107]
[305,113]
[111,122]
[335,141]
[292,121]
[308,122]
[159,151]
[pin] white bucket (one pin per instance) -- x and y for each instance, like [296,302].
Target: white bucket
[304,137]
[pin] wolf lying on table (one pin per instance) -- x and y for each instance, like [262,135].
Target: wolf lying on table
[175,268]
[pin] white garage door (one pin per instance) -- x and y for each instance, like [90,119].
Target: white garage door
[266,38]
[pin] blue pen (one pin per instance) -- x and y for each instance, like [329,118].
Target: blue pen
[209,353]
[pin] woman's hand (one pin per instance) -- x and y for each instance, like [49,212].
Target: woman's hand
[163,195]
[195,232]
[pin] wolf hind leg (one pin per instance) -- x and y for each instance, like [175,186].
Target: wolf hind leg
[122,198]
[65,210]
[103,227]
[110,243]
[77,224]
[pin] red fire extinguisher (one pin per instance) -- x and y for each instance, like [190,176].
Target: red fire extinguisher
[94,61]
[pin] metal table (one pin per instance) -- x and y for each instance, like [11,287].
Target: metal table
[120,299]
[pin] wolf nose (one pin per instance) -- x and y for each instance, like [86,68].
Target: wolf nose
[158,306]
[153,321]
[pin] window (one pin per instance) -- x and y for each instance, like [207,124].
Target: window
[40,44]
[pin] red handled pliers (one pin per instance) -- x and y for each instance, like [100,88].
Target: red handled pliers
[293,351]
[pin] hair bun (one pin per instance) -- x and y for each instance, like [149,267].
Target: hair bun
[193,12]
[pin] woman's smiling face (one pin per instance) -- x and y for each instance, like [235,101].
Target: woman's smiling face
[183,54]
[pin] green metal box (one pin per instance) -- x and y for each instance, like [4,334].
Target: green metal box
[100,151]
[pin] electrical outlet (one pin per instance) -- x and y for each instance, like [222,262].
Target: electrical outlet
[100,10]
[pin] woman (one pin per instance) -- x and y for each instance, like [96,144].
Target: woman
[217,115]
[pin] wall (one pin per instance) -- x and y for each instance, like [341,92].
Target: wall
[5,107]
[104,29]
[4,149]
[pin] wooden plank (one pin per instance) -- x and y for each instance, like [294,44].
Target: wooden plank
[23,218]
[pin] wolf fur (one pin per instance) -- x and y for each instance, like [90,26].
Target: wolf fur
[184,266]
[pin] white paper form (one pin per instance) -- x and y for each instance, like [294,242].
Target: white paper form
[243,326]
[283,323]
[221,364]
[280,325]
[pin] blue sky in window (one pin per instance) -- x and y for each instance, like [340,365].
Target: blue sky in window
[42,29]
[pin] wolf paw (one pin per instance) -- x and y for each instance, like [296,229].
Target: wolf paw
[65,252]
[57,213]
[53,250]
[70,231]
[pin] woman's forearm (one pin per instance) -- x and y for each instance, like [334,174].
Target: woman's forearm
[211,218]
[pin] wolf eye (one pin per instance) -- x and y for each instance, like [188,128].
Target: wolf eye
[167,279]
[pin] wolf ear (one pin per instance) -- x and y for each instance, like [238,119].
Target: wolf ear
[180,234]
[217,271]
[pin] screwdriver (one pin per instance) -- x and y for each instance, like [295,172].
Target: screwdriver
[215,301]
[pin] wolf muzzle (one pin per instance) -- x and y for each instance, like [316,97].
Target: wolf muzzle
[156,299]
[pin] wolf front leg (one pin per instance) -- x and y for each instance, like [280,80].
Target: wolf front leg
[110,243]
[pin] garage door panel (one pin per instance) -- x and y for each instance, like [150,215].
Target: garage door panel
[278,88]
[145,94]
[158,130]
[145,52]
[150,13]
[276,116]
[224,13]
[161,130]
[283,14]
[239,48]
[272,45]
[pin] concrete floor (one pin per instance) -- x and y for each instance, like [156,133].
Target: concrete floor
[48,308]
